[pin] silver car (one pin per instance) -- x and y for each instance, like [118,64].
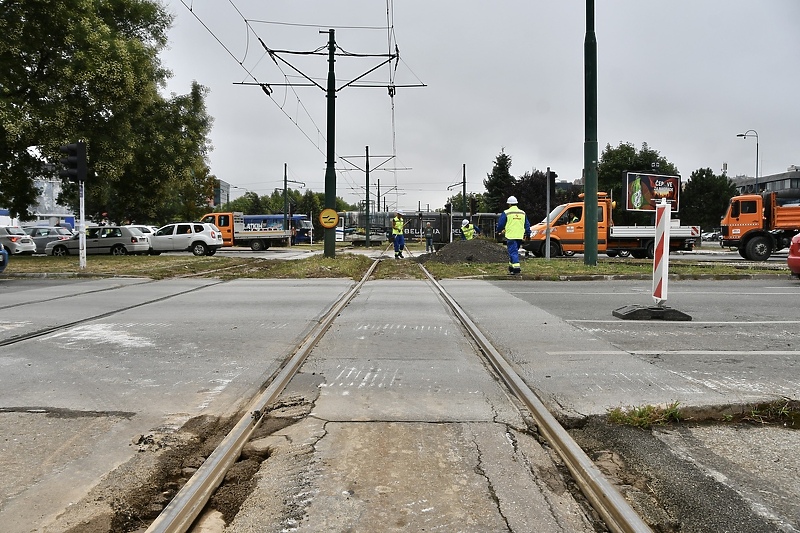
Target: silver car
[114,240]
[42,235]
[15,241]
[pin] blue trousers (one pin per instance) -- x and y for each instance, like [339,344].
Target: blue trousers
[399,243]
[513,252]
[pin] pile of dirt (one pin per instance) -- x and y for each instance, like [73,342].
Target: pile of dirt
[474,251]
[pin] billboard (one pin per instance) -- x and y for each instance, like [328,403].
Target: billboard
[644,191]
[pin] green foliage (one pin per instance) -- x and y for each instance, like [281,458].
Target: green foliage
[646,416]
[89,69]
[705,198]
[499,184]
[457,203]
[614,162]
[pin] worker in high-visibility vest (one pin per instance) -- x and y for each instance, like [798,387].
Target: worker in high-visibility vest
[397,235]
[514,223]
[467,230]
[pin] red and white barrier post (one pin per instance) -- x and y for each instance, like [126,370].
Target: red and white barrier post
[661,252]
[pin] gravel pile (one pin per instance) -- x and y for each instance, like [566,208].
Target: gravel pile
[474,251]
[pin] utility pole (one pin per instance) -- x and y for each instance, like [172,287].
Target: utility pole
[366,204]
[590,142]
[330,172]
[464,192]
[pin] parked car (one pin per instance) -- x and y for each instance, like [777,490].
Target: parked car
[114,240]
[42,235]
[15,241]
[147,231]
[3,259]
[793,259]
[197,237]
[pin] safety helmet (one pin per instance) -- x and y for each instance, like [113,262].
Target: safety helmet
[400,213]
[464,222]
[512,200]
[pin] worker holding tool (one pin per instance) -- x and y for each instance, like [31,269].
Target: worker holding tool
[468,230]
[514,223]
[398,236]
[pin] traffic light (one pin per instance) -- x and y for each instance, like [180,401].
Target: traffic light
[448,208]
[75,162]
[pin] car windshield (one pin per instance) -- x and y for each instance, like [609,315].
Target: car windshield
[136,231]
[553,214]
[15,231]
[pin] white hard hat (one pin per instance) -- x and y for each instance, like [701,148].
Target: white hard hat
[400,213]
[464,222]
[512,200]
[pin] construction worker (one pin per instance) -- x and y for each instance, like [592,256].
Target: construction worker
[514,223]
[467,230]
[397,235]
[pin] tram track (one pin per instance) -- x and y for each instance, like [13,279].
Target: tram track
[14,339]
[189,502]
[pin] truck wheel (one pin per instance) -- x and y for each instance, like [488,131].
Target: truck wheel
[651,250]
[199,248]
[555,249]
[211,251]
[569,253]
[257,246]
[639,254]
[611,253]
[759,248]
[742,252]
[624,253]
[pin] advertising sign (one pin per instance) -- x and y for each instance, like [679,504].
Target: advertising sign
[644,191]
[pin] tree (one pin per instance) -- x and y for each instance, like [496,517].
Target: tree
[74,69]
[705,198]
[499,184]
[614,162]
[531,191]
[473,199]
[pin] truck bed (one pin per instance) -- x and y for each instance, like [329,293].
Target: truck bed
[650,231]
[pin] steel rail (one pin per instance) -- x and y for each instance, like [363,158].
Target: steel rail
[616,512]
[188,503]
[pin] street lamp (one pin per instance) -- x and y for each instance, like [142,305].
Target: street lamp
[752,133]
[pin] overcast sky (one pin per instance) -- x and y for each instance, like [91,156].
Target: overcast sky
[684,76]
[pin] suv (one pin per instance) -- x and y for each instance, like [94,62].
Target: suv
[15,241]
[196,237]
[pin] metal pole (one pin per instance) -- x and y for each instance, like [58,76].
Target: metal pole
[285,200]
[590,143]
[366,205]
[547,225]
[464,192]
[330,172]
[82,234]
[757,190]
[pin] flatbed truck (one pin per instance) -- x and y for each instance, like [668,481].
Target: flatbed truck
[759,224]
[567,224]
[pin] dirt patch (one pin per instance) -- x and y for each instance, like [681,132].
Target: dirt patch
[474,251]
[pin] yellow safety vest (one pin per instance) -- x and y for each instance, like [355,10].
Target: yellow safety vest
[515,223]
[397,226]
[469,231]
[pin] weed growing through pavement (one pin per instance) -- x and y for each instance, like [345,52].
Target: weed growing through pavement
[646,416]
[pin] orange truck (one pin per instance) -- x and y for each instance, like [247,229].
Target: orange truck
[759,224]
[567,223]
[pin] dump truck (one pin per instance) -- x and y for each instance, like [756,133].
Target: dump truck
[759,224]
[567,224]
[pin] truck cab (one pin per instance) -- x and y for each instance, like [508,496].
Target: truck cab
[567,224]
[758,225]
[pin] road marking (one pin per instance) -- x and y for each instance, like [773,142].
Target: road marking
[673,323]
[673,292]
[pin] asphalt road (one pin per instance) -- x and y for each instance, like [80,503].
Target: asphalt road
[201,344]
